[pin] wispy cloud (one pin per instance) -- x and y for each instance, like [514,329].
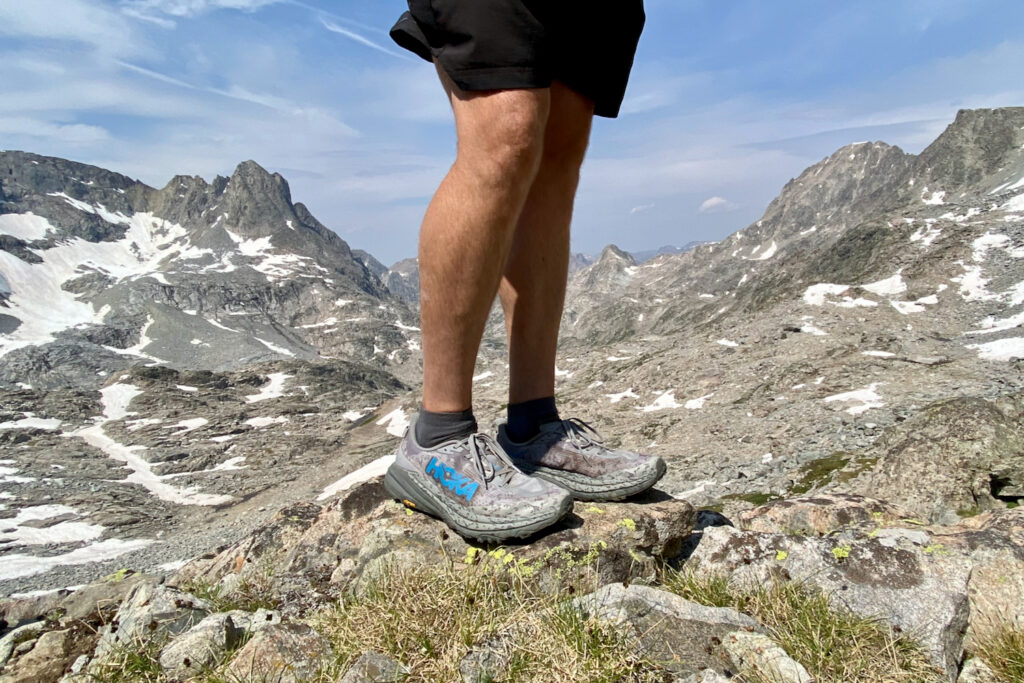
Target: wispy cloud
[76,21]
[363,40]
[641,208]
[716,205]
[190,8]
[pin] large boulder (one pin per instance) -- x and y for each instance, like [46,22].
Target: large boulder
[960,455]
[148,613]
[919,591]
[285,653]
[680,635]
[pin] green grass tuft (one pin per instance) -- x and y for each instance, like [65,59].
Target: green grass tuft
[834,646]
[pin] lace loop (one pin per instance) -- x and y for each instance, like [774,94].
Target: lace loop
[490,459]
[581,434]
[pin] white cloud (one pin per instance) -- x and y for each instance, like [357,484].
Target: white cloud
[69,20]
[190,8]
[641,208]
[362,40]
[716,205]
[73,133]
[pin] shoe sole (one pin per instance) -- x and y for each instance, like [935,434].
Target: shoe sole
[584,487]
[404,487]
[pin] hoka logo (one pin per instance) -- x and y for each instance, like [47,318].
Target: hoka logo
[458,484]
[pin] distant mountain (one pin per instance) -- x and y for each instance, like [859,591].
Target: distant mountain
[648,254]
[102,272]
[868,212]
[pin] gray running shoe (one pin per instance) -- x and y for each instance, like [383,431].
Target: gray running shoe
[570,453]
[473,486]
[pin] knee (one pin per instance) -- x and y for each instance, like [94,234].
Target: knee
[506,149]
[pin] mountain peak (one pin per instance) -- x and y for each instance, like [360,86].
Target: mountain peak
[977,144]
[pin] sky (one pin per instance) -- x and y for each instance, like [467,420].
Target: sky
[728,100]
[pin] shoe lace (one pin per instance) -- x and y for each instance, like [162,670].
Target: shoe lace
[581,434]
[491,460]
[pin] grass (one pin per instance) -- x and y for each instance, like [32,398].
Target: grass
[252,592]
[430,618]
[1002,649]
[834,646]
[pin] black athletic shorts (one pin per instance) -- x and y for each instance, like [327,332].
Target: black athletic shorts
[502,44]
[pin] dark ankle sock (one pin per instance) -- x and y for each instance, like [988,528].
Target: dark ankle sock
[525,419]
[433,429]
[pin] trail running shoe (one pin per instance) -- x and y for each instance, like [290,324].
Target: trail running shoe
[571,454]
[473,486]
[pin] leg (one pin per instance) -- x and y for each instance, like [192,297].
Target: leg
[533,288]
[468,228]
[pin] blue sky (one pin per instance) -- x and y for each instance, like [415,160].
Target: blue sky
[728,100]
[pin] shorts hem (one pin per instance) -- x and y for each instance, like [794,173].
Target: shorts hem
[497,78]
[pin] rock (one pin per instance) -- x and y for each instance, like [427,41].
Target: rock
[101,598]
[680,635]
[960,454]
[151,612]
[485,661]
[758,654]
[373,667]
[705,676]
[201,647]
[993,544]
[353,540]
[251,622]
[921,594]
[18,635]
[46,661]
[977,671]
[15,612]
[284,653]
[818,515]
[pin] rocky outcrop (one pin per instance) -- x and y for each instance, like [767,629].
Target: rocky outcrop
[317,554]
[954,458]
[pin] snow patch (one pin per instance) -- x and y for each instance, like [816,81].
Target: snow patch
[862,400]
[665,401]
[19,566]
[727,342]
[25,226]
[628,393]
[274,388]
[1000,349]
[697,403]
[257,422]
[274,347]
[375,469]
[395,422]
[32,423]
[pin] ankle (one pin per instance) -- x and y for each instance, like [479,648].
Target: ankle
[433,429]
[525,419]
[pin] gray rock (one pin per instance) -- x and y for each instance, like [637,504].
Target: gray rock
[16,636]
[977,671]
[46,660]
[758,654]
[373,667]
[151,612]
[201,647]
[285,653]
[101,598]
[251,622]
[961,454]
[923,595]
[680,635]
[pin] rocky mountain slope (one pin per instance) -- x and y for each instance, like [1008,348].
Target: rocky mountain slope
[861,339]
[103,271]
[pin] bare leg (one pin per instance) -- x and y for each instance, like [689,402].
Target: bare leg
[468,229]
[533,288]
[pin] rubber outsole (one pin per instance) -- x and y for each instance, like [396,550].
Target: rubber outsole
[403,486]
[582,487]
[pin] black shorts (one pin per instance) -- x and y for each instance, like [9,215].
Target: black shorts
[503,44]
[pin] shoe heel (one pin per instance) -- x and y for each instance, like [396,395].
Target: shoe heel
[396,485]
